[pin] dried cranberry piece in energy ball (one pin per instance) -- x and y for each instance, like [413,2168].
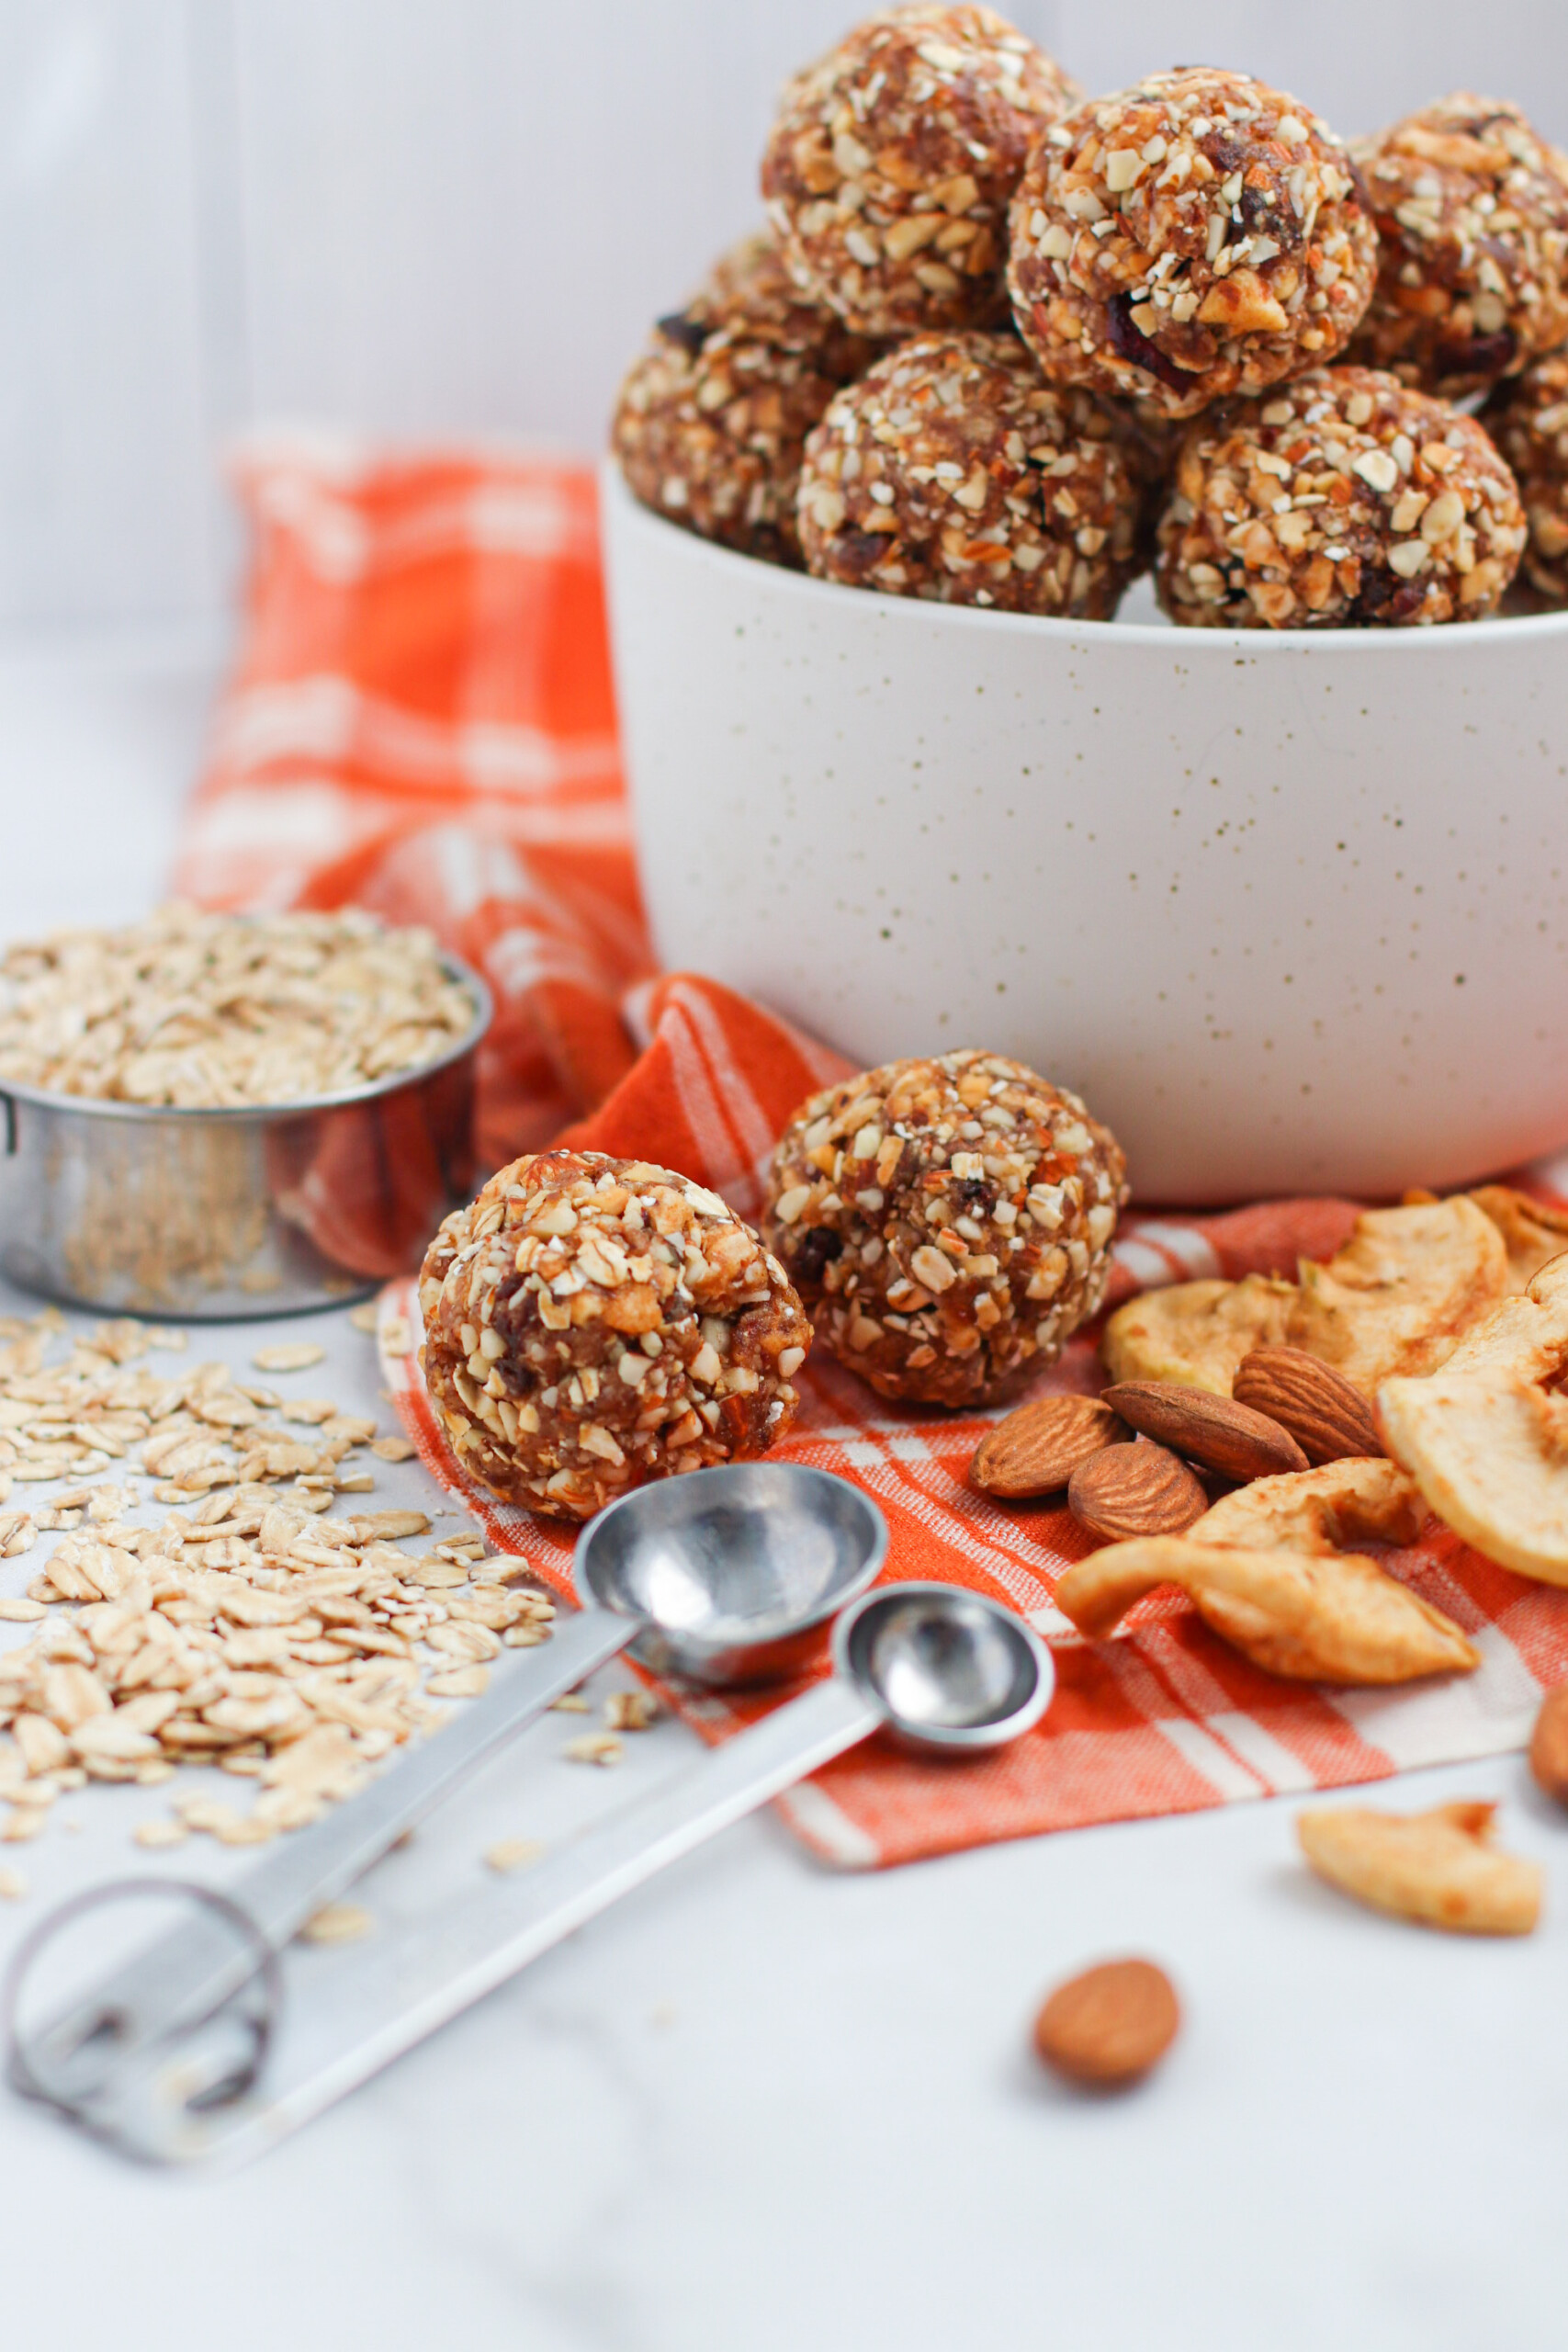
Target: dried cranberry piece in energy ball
[1344,499]
[1527,419]
[592,1323]
[948,1223]
[710,423]
[1471,212]
[889,168]
[950,471]
[1197,235]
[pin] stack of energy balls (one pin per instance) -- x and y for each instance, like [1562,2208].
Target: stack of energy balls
[1005,346]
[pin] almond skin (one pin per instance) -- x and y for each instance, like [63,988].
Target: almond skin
[1236,1439]
[1328,1418]
[1549,1744]
[1107,2027]
[1035,1450]
[1132,1490]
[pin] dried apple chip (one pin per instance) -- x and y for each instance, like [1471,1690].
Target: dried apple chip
[1357,1500]
[1316,1618]
[1490,1454]
[1436,1867]
[1195,1334]
[1395,1299]
[1532,1234]
[1526,1336]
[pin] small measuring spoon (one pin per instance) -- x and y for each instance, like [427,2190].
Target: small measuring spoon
[727,1576]
[943,1669]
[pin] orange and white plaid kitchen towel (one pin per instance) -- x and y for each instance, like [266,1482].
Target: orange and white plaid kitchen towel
[423,723]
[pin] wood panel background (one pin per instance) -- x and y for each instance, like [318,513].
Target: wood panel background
[435,218]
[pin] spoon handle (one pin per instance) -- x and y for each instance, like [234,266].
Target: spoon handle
[371,2009]
[199,1962]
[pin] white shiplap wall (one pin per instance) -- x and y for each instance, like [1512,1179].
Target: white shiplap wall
[429,217]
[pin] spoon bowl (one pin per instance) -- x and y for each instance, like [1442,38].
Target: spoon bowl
[948,1670]
[735,1572]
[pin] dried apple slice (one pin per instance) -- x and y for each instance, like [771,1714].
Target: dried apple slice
[1532,1234]
[1330,1618]
[1195,1334]
[1490,1454]
[1395,1299]
[1354,1500]
[1436,1867]
[1526,1336]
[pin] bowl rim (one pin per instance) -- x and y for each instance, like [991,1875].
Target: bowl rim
[102,1106]
[1197,644]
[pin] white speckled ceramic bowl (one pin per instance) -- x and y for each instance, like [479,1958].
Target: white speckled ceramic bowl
[1289,910]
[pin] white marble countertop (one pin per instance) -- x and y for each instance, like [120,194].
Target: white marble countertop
[762,2108]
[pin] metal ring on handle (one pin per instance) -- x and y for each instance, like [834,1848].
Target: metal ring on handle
[267,1971]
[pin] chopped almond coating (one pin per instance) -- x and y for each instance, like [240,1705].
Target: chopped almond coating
[1437,1868]
[948,1223]
[1352,1501]
[1197,1333]
[1532,1234]
[1197,235]
[593,1323]
[1395,1299]
[711,422]
[890,170]
[1471,211]
[1490,1453]
[1528,418]
[1335,1618]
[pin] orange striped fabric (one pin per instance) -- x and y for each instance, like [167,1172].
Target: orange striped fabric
[423,723]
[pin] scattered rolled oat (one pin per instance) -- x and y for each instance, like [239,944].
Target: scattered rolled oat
[1341,499]
[1197,235]
[630,1710]
[948,1222]
[212,1011]
[712,419]
[512,1853]
[594,1747]
[253,1628]
[1471,212]
[154,1834]
[889,168]
[288,1355]
[13,1886]
[364,1317]
[393,1449]
[340,1923]
[571,1702]
[951,472]
[594,1323]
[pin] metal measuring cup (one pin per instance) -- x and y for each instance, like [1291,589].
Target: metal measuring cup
[945,1670]
[729,1575]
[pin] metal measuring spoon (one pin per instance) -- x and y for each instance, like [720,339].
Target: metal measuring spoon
[727,1576]
[943,1669]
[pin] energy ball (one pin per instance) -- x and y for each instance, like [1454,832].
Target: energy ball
[950,471]
[889,169]
[1197,235]
[1342,500]
[592,1323]
[710,423]
[948,1223]
[1528,418]
[1471,211]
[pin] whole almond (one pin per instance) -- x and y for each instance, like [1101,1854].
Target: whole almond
[1327,1416]
[1109,2026]
[1232,1439]
[1035,1450]
[1130,1490]
[1549,1744]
